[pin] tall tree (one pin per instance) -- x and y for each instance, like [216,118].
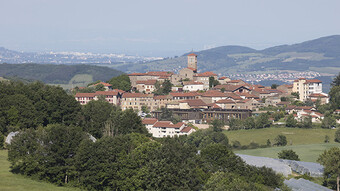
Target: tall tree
[121,82]
[330,160]
[336,80]
[95,114]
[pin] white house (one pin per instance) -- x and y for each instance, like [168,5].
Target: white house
[166,128]
[193,86]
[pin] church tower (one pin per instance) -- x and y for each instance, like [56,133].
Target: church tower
[192,62]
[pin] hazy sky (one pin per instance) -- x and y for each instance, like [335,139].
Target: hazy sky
[162,28]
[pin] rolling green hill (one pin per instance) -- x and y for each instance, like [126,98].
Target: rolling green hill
[67,76]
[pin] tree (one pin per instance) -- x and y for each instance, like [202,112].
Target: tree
[262,121]
[336,81]
[213,82]
[328,122]
[296,94]
[330,160]
[269,143]
[307,122]
[335,97]
[2,140]
[166,86]
[274,86]
[280,140]
[217,125]
[291,122]
[326,139]
[121,82]
[95,114]
[337,135]
[288,154]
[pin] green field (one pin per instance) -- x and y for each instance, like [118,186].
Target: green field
[80,80]
[10,181]
[295,136]
[308,153]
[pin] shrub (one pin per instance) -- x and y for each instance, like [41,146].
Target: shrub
[288,154]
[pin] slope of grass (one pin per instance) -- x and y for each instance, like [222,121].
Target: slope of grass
[10,181]
[308,153]
[295,136]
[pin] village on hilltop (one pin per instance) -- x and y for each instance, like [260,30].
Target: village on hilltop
[199,98]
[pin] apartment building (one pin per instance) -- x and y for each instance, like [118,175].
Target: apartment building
[307,87]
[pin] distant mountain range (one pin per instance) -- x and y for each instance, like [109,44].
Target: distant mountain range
[321,55]
[15,57]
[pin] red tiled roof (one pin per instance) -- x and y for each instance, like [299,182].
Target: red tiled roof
[192,54]
[163,124]
[136,95]
[184,94]
[192,83]
[147,82]
[168,124]
[226,101]
[206,74]
[149,121]
[313,81]
[214,93]
[162,97]
[214,106]
[113,92]
[228,87]
[186,129]
[137,74]
[85,95]
[317,95]
[194,102]
[222,78]
[159,73]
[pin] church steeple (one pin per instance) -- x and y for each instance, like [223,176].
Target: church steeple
[192,62]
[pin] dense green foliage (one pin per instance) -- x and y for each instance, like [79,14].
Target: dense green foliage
[280,140]
[288,154]
[121,82]
[28,106]
[56,74]
[259,122]
[54,144]
[330,160]
[163,88]
[337,136]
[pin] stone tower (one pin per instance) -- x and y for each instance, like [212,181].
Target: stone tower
[192,62]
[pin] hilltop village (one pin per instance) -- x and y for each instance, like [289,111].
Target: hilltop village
[199,98]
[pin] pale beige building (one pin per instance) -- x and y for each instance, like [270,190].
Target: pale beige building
[306,87]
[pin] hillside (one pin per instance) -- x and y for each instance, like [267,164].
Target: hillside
[58,74]
[319,55]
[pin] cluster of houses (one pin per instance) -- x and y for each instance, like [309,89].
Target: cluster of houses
[191,91]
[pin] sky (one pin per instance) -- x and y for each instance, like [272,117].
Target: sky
[162,27]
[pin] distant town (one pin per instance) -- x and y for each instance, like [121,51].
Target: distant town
[199,98]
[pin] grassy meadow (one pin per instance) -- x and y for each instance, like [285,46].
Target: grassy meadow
[308,153]
[295,136]
[10,181]
[80,80]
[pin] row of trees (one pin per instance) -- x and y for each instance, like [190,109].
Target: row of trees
[259,122]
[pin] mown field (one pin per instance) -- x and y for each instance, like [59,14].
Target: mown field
[295,136]
[308,153]
[11,182]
